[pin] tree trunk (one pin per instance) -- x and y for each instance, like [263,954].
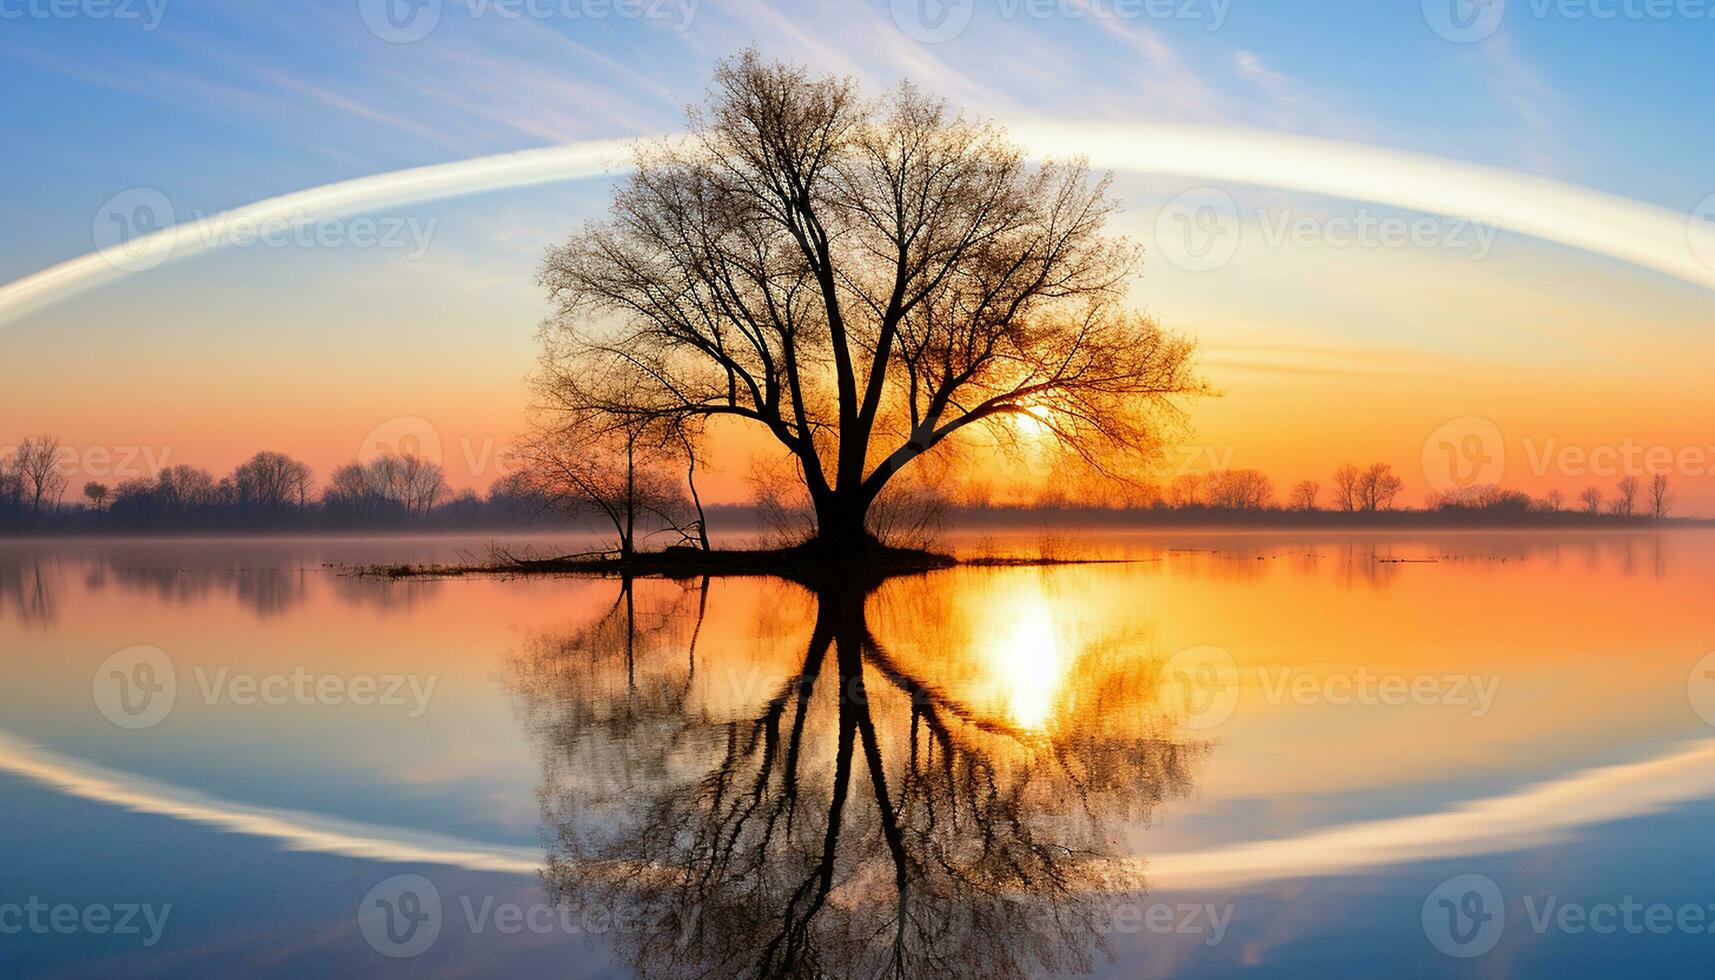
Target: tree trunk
[626,546]
[840,526]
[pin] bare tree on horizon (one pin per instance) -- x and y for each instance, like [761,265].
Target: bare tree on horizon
[37,464]
[1626,496]
[1592,500]
[1346,480]
[1304,495]
[863,279]
[1659,497]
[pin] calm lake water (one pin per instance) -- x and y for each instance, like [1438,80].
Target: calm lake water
[1281,754]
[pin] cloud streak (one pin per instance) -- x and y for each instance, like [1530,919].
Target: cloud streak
[1529,817]
[1631,231]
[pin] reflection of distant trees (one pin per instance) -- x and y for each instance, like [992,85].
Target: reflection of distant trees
[265,591]
[33,577]
[849,818]
[27,587]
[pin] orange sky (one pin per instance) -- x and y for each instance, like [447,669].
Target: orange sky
[1323,355]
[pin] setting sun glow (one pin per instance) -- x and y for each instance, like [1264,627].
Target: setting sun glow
[1027,663]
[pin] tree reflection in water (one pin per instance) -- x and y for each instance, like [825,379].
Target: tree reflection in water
[852,817]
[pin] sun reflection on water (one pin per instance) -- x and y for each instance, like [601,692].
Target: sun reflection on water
[1028,663]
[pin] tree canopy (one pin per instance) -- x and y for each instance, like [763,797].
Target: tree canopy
[864,278]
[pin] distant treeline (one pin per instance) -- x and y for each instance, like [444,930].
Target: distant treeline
[272,491]
[269,491]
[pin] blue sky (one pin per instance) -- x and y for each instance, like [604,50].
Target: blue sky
[223,103]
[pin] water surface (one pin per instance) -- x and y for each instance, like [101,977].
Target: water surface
[1215,753]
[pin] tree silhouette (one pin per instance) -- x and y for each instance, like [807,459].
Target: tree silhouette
[862,279]
[849,817]
[1304,495]
[1591,498]
[1346,488]
[37,464]
[1626,496]
[1660,499]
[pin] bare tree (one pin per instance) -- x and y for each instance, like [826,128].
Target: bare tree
[96,492]
[11,483]
[1304,495]
[614,472]
[1626,496]
[863,279]
[1186,490]
[1660,499]
[389,482]
[272,481]
[1378,488]
[182,489]
[1591,498]
[1239,490]
[1346,482]
[37,462]
[1555,500]
[411,480]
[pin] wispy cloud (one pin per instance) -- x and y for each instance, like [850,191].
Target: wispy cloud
[1518,86]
